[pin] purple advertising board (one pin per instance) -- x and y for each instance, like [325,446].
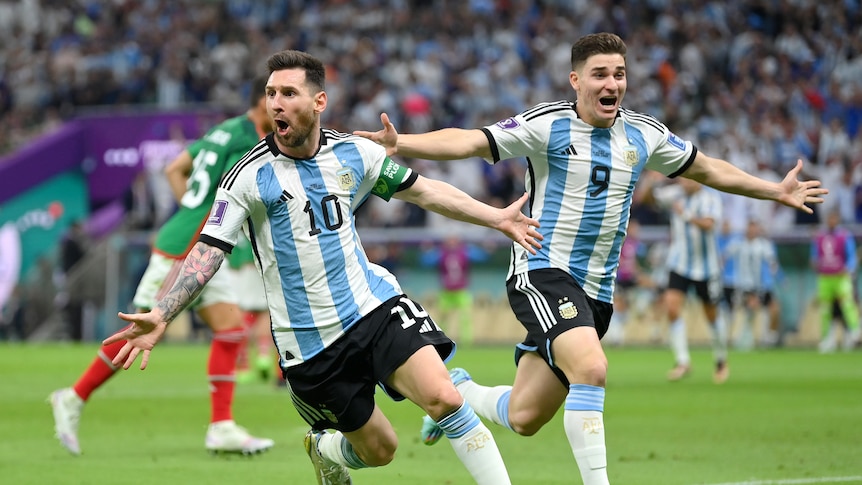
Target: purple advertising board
[111,150]
[123,146]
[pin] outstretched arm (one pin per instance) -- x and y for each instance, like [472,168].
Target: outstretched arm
[445,144]
[451,202]
[723,176]
[147,328]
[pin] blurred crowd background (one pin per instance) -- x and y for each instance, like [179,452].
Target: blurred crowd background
[760,83]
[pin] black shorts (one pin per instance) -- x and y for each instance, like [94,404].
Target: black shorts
[708,291]
[548,302]
[335,389]
[728,296]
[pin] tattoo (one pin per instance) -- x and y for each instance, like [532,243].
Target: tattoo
[199,267]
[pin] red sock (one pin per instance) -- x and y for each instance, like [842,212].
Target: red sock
[99,371]
[220,370]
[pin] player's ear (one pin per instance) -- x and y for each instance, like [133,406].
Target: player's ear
[320,100]
[574,80]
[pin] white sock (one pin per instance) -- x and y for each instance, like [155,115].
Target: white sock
[719,339]
[584,426]
[679,342]
[475,446]
[492,403]
[335,448]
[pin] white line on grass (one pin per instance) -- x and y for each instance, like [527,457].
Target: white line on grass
[797,481]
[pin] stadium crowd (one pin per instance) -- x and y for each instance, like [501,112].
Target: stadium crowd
[760,82]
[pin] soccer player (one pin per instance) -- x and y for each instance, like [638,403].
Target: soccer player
[194,176]
[584,160]
[341,324]
[252,302]
[833,257]
[756,262]
[693,260]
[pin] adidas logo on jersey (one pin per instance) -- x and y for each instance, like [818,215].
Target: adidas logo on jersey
[570,150]
[285,195]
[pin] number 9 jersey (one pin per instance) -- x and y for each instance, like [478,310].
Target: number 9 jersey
[581,180]
[212,156]
[299,216]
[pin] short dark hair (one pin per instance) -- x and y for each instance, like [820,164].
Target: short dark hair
[592,44]
[315,73]
[258,90]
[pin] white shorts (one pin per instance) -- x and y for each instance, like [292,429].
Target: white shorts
[161,274]
[249,284]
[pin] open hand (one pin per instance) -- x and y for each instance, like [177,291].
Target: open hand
[142,335]
[520,228]
[387,137]
[798,193]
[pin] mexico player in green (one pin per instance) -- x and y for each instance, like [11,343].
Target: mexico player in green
[194,177]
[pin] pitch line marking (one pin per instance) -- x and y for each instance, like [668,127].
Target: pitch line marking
[798,481]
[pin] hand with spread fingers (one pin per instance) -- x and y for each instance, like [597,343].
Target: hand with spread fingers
[142,335]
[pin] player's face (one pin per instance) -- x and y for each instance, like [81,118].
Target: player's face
[295,112]
[601,85]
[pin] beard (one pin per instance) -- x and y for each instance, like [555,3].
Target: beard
[299,133]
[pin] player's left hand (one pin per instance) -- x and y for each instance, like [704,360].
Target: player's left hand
[799,193]
[520,228]
[142,335]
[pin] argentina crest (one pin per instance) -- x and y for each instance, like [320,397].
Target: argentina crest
[630,155]
[567,309]
[345,179]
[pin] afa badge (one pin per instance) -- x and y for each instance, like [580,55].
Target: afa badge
[630,155]
[567,309]
[345,179]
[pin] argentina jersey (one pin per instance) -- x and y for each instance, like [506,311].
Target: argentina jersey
[581,179]
[694,251]
[298,215]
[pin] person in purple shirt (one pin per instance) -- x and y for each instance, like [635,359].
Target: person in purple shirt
[833,257]
[453,259]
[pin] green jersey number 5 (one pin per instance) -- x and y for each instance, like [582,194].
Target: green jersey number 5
[198,185]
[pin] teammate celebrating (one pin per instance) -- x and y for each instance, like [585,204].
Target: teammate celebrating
[194,176]
[585,158]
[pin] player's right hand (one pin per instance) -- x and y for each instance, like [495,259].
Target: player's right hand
[387,137]
[142,335]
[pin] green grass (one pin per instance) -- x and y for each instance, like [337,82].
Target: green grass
[782,415]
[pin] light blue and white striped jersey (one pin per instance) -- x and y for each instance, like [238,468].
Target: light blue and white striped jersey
[299,217]
[581,179]
[756,263]
[694,251]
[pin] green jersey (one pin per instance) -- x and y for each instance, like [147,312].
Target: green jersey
[242,253]
[213,155]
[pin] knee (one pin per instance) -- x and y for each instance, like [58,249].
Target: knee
[528,421]
[444,401]
[593,372]
[379,453]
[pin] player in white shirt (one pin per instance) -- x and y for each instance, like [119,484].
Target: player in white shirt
[584,160]
[341,324]
[694,264]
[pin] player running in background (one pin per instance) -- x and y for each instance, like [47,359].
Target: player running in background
[342,325]
[693,261]
[252,302]
[194,177]
[585,158]
[833,257]
[756,263]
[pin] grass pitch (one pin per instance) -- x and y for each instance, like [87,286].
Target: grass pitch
[784,417]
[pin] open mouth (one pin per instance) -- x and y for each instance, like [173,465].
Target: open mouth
[281,126]
[608,101]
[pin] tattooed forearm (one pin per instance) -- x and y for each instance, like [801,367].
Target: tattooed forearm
[199,267]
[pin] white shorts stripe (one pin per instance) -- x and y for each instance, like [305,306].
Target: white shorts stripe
[538,303]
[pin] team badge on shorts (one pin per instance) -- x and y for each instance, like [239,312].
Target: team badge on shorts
[568,310]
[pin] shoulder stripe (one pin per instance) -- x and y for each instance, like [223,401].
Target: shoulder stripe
[330,133]
[258,151]
[551,109]
[541,106]
[644,118]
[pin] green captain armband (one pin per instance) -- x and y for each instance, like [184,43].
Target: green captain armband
[391,176]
